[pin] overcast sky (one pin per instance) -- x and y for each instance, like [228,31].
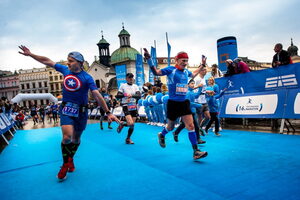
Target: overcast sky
[54,28]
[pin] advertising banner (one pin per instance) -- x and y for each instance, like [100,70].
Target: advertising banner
[121,74]
[140,80]
[284,77]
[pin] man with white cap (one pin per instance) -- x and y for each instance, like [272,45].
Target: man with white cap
[73,110]
[129,93]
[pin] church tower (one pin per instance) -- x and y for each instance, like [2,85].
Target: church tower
[124,38]
[104,56]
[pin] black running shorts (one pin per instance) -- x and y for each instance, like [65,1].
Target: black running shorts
[177,109]
[133,113]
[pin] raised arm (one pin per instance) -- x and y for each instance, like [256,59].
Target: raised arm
[156,72]
[203,64]
[42,59]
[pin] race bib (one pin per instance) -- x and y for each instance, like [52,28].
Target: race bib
[181,89]
[131,106]
[71,109]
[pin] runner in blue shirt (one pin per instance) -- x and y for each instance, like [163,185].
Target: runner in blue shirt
[73,110]
[178,105]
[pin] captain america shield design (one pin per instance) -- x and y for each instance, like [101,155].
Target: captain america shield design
[72,83]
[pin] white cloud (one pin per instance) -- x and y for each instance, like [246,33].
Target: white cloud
[193,26]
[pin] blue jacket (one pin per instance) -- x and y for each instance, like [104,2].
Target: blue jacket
[191,95]
[213,102]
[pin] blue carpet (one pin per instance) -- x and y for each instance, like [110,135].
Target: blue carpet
[240,165]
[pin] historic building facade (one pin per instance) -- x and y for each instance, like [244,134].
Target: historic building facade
[9,85]
[34,80]
[55,80]
[103,69]
[126,55]
[100,69]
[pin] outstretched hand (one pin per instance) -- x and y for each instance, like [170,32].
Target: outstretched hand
[146,54]
[112,117]
[26,51]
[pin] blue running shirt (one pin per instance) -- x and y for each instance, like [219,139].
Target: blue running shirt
[177,82]
[76,85]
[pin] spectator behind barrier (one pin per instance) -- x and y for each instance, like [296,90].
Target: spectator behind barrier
[20,119]
[281,57]
[230,68]
[215,71]
[240,66]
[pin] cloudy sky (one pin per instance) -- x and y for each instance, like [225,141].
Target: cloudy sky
[55,27]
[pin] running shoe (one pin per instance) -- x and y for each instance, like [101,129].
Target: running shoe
[161,140]
[217,134]
[71,165]
[199,141]
[129,141]
[202,132]
[199,154]
[109,127]
[62,174]
[120,127]
[101,127]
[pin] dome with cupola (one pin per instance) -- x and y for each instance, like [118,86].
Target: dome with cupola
[125,52]
[293,50]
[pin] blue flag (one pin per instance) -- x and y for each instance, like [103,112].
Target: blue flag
[139,70]
[154,59]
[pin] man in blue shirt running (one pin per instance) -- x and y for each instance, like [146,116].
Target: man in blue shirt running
[73,110]
[178,105]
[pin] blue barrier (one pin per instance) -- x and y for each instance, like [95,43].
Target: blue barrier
[270,93]
[5,126]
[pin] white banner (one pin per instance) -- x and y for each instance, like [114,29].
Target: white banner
[252,105]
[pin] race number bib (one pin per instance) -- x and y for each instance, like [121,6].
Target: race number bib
[131,106]
[181,89]
[71,109]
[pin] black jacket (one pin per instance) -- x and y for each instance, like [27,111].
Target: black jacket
[284,58]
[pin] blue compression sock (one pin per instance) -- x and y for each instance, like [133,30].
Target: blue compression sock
[193,137]
[164,131]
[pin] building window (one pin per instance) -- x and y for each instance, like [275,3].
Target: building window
[33,85]
[22,86]
[40,84]
[28,86]
[51,78]
[98,83]
[45,84]
[56,78]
